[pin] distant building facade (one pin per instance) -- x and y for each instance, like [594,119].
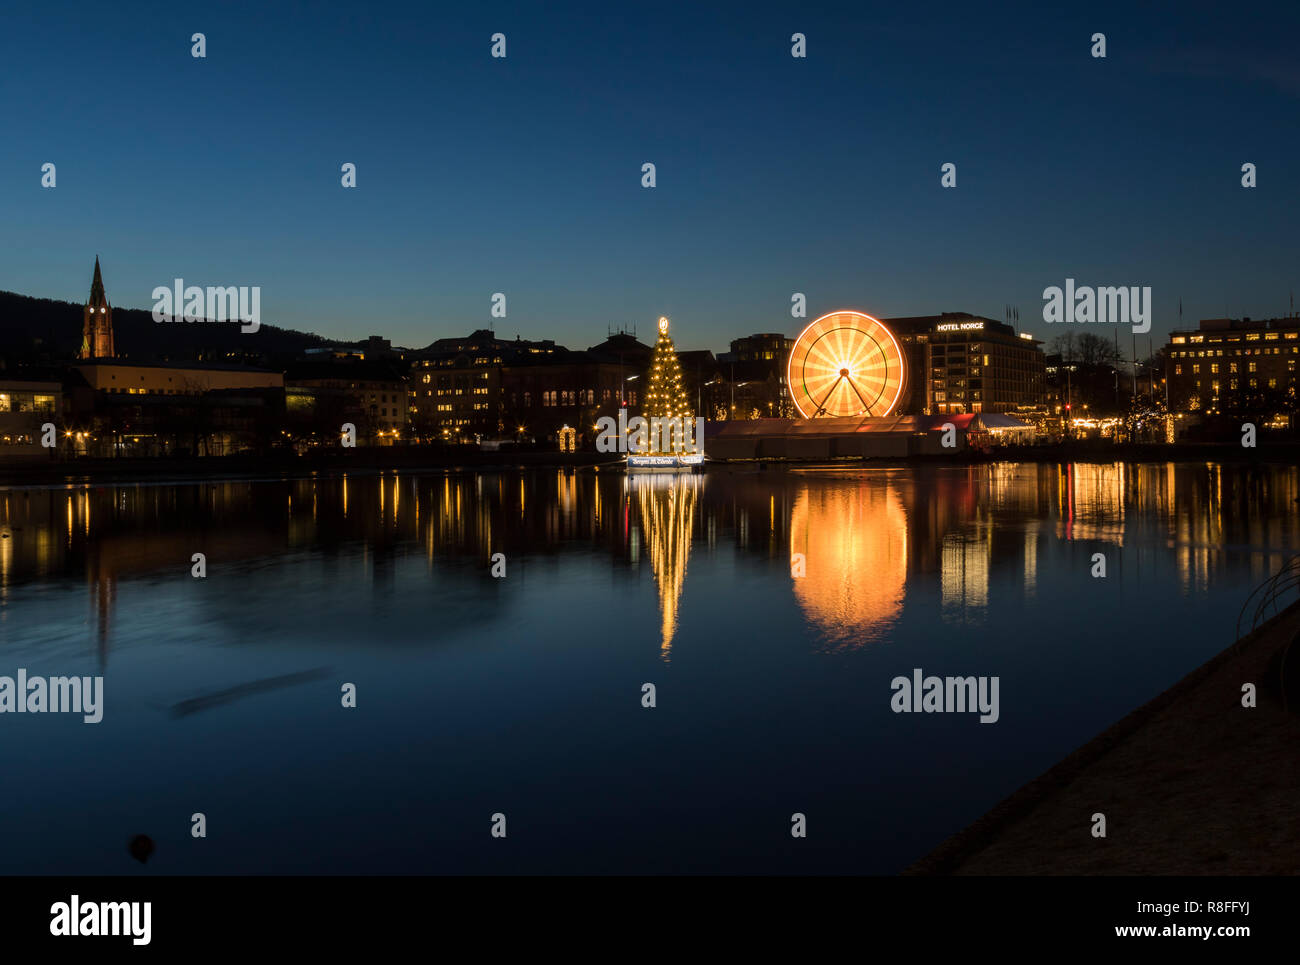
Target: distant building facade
[122,377]
[455,391]
[752,379]
[372,395]
[1226,357]
[25,406]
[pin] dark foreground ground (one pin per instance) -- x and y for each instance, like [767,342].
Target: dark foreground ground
[1191,783]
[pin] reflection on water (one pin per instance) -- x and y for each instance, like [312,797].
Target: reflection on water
[864,534]
[523,693]
[853,538]
[667,506]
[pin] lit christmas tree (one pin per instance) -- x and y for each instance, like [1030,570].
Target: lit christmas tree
[665,398]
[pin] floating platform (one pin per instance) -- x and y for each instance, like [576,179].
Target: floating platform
[669,462]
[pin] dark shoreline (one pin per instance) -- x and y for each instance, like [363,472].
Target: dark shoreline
[1172,774]
[396,459]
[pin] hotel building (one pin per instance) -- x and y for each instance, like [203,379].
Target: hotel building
[962,363]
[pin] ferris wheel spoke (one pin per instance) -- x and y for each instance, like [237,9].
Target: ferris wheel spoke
[854,387]
[821,405]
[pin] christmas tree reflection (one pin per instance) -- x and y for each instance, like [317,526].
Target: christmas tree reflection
[667,504]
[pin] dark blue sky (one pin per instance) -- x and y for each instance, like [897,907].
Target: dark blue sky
[775,174]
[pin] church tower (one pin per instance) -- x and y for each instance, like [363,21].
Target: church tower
[97,322]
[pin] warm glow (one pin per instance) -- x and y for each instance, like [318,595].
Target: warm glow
[854,542]
[663,325]
[846,364]
[667,505]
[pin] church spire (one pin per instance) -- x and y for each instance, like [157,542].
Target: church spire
[97,322]
[97,287]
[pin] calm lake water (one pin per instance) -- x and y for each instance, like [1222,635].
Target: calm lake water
[523,695]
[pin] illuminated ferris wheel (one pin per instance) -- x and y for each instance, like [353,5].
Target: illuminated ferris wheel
[846,364]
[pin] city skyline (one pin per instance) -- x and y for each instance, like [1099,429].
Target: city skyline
[775,174]
[802,324]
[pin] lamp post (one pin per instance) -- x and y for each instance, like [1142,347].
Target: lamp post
[699,402]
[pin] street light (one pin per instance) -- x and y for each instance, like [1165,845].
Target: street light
[699,393]
[733,393]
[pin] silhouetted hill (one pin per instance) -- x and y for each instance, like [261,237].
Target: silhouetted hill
[42,329]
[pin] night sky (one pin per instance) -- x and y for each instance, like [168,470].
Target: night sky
[775,174]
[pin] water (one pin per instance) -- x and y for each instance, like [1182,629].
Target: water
[523,695]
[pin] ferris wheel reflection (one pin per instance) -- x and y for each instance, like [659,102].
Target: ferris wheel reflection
[852,541]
